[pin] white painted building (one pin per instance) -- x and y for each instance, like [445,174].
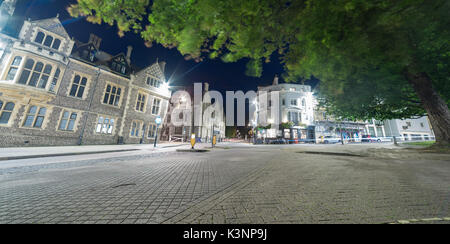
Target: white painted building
[295,105]
[409,129]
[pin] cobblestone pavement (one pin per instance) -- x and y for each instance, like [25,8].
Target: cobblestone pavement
[230,185]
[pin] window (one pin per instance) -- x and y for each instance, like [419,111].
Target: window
[14,67]
[35,117]
[68,121]
[119,67]
[35,74]
[105,125]
[56,44]
[153,82]
[293,117]
[408,124]
[294,102]
[47,40]
[156,106]
[292,89]
[422,125]
[135,128]
[78,86]
[152,131]
[55,80]
[140,102]
[284,102]
[112,95]
[40,37]
[304,103]
[6,111]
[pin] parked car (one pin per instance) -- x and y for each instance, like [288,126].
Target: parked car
[331,140]
[368,138]
[278,141]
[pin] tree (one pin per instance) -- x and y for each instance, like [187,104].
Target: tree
[377,59]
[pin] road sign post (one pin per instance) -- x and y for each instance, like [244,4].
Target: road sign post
[158,121]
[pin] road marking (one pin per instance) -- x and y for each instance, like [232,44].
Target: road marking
[409,221]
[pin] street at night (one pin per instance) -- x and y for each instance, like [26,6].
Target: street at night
[232,184]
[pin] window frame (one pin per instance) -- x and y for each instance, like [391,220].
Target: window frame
[121,95]
[68,120]
[141,102]
[32,72]
[3,111]
[110,126]
[136,128]
[54,37]
[159,106]
[153,81]
[13,66]
[152,127]
[36,115]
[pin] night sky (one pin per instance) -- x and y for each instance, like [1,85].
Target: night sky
[221,76]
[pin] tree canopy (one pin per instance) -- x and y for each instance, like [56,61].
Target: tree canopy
[361,50]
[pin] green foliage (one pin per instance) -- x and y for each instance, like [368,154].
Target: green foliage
[359,49]
[287,125]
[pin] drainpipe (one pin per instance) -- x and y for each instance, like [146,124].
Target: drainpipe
[80,139]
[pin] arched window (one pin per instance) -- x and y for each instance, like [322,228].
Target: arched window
[78,86]
[48,41]
[40,37]
[5,112]
[39,74]
[35,117]
[304,102]
[14,67]
[56,44]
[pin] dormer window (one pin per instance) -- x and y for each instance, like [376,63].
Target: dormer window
[153,82]
[47,40]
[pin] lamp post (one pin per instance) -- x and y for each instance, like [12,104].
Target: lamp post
[158,121]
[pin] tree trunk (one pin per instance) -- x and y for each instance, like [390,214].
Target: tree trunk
[436,108]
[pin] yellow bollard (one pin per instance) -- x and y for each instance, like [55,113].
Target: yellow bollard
[193,140]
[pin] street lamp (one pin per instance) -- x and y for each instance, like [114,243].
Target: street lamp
[158,121]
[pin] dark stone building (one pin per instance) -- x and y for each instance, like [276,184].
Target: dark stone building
[55,90]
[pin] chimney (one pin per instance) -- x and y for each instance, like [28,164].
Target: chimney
[163,66]
[95,40]
[275,80]
[129,51]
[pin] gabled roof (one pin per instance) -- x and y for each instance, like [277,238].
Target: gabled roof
[155,69]
[53,25]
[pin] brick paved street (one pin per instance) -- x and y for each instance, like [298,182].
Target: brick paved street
[232,184]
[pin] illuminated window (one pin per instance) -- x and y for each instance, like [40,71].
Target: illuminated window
[105,125]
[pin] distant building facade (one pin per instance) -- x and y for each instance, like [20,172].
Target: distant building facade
[410,129]
[295,106]
[55,90]
[212,124]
